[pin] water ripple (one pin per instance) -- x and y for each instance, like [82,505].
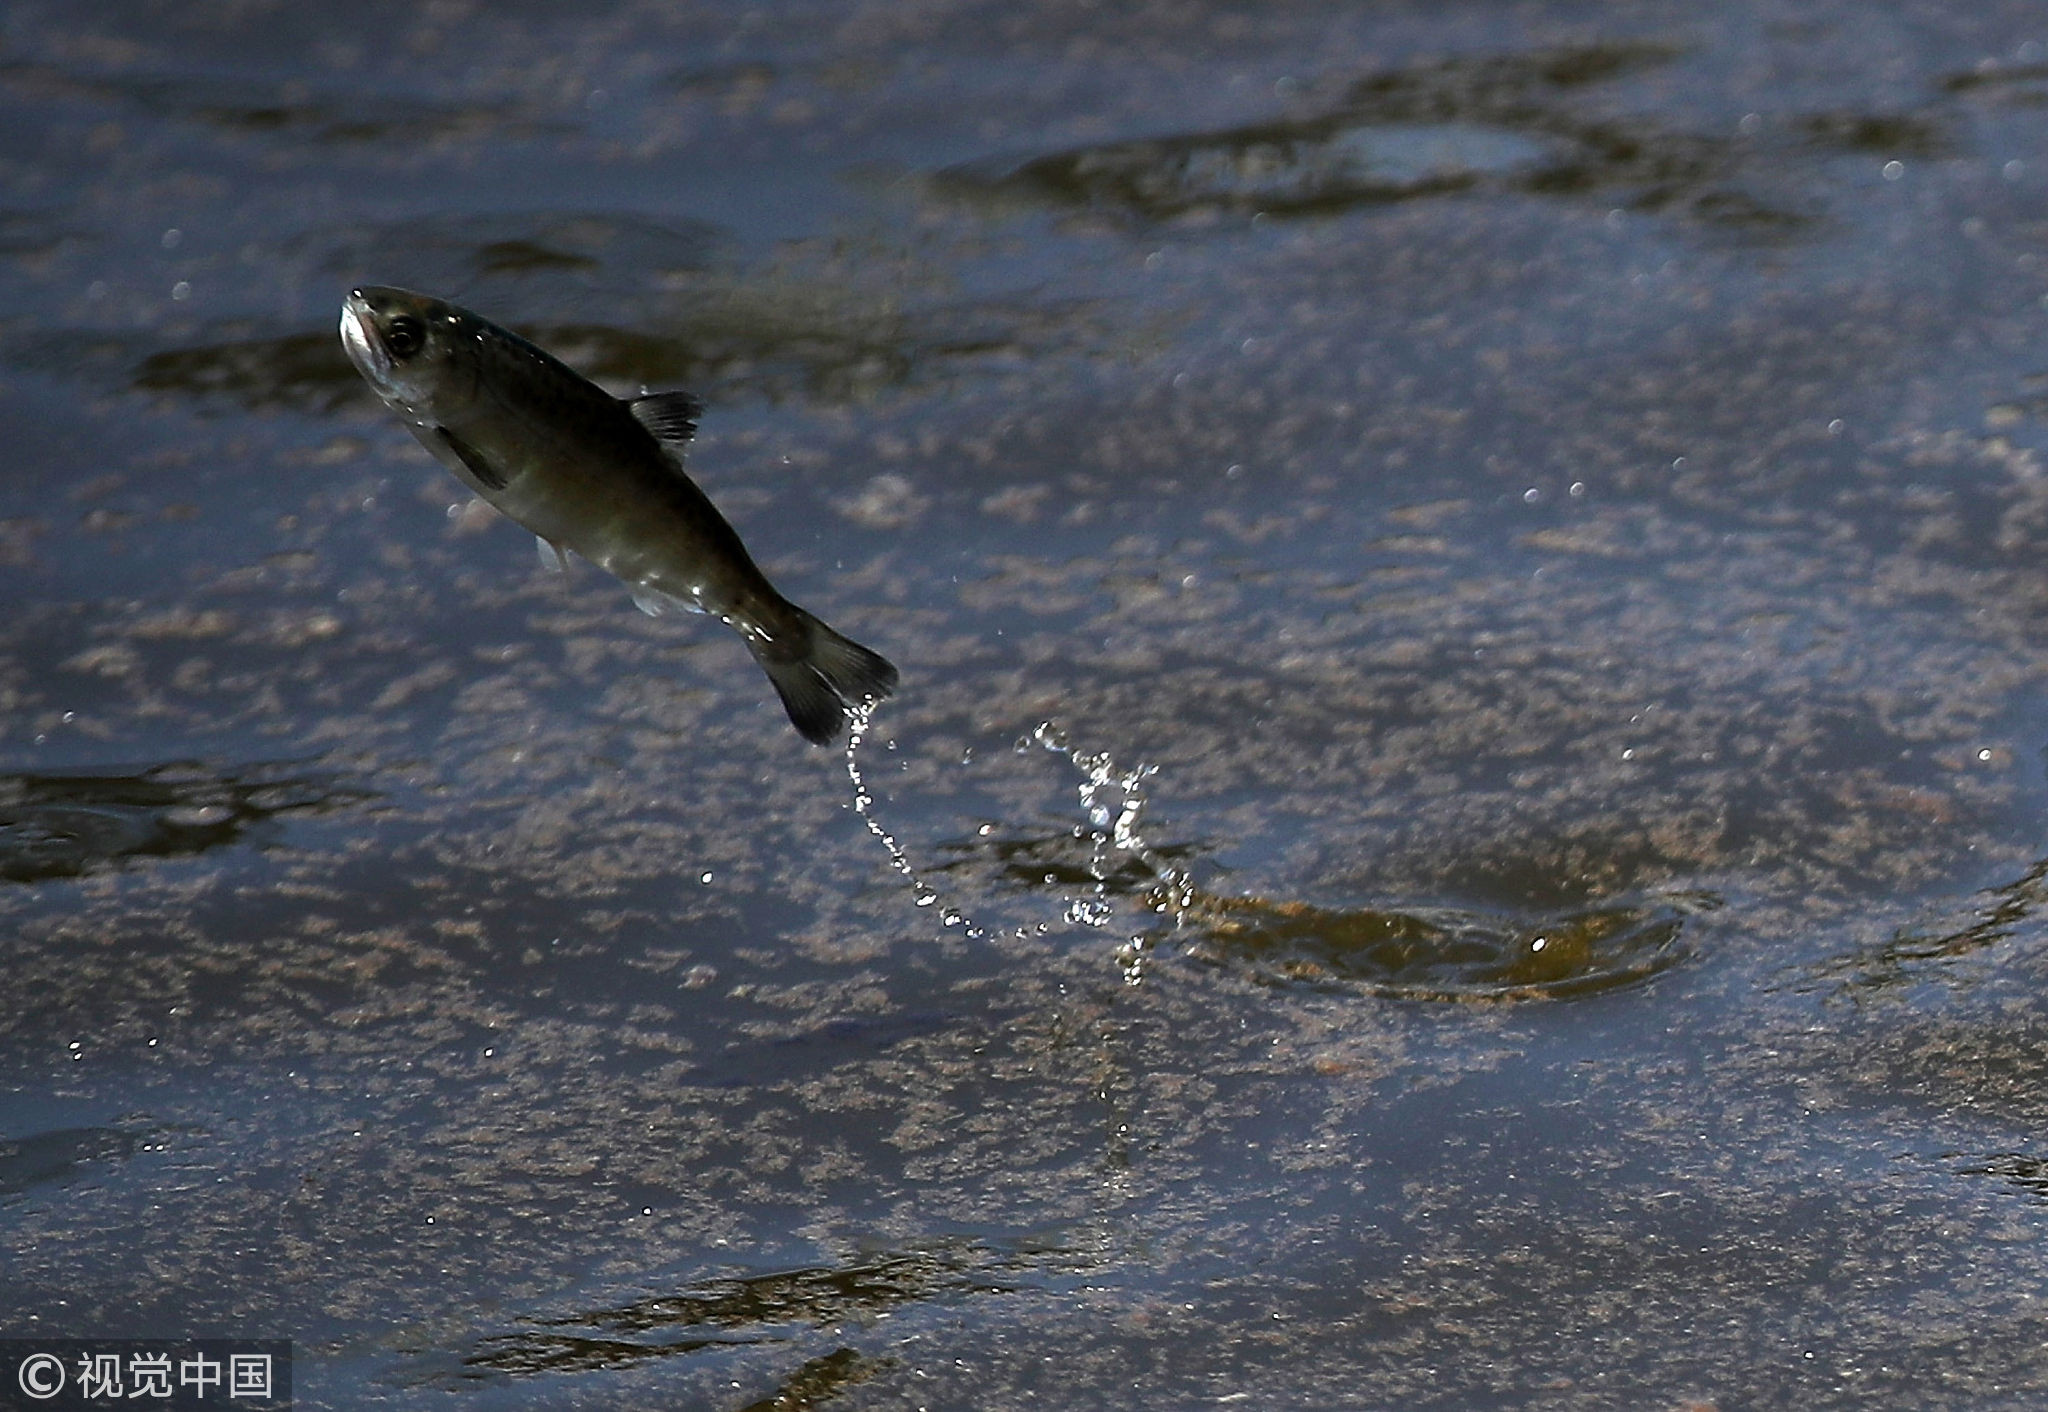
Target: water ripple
[69,824]
[1504,123]
[1113,877]
[771,1307]
[1443,953]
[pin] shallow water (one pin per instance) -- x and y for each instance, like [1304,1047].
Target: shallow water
[1469,585]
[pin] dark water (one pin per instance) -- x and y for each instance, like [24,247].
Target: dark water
[1554,494]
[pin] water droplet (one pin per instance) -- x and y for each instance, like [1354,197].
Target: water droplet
[198,816]
[1089,911]
[922,892]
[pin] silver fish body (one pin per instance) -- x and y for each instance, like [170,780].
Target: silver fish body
[602,476]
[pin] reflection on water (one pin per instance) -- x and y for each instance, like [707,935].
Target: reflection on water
[1508,123]
[766,1308]
[69,824]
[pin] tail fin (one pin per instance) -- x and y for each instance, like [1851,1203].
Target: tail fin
[824,679]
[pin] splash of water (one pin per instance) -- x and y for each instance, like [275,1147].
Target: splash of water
[1414,953]
[1113,801]
[921,891]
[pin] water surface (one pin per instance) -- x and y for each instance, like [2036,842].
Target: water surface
[1525,529]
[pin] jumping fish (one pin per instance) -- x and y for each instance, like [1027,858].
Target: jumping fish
[602,476]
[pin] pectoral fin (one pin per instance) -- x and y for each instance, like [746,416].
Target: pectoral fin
[487,475]
[553,557]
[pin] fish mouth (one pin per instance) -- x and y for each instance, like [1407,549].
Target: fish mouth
[359,336]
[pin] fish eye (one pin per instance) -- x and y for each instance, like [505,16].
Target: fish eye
[405,337]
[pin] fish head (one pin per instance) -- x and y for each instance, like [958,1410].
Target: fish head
[413,349]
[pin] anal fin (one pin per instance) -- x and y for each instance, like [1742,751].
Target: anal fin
[653,602]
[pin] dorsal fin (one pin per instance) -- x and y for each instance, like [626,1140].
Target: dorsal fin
[671,416]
